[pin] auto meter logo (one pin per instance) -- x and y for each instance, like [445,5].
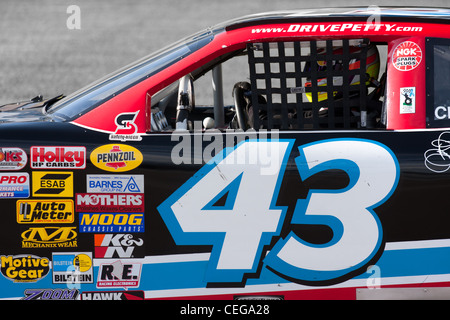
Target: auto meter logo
[45,211]
[24,268]
[12,158]
[58,157]
[407,56]
[116,157]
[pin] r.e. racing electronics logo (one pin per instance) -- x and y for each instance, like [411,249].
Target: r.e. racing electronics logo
[250,215]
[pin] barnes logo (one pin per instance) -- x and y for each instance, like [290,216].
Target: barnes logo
[116,157]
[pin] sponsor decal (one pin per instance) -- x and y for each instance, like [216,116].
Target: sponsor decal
[24,268]
[12,158]
[113,295]
[318,28]
[104,202]
[437,158]
[51,294]
[118,246]
[49,237]
[408,100]
[14,185]
[119,275]
[58,157]
[45,211]
[442,113]
[52,184]
[407,56]
[72,267]
[111,222]
[126,128]
[115,183]
[116,157]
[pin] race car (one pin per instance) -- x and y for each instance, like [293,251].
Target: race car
[287,155]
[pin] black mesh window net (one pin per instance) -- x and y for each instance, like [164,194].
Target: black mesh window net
[310,84]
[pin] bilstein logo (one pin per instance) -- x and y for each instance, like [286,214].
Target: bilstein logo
[49,237]
[116,157]
[24,268]
[45,211]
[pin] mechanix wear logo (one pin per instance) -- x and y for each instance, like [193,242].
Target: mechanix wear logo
[49,237]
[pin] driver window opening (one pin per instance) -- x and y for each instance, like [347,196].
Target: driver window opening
[282,85]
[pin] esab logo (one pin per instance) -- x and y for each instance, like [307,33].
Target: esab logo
[58,157]
[24,268]
[45,211]
[53,184]
[12,158]
[118,246]
[116,157]
[49,237]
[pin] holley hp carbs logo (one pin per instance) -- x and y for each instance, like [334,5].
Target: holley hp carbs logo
[58,157]
[116,157]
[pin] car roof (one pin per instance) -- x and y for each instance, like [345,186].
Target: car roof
[417,14]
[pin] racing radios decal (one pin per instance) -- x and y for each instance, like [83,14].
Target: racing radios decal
[251,180]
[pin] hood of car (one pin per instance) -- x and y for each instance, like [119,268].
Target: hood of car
[27,111]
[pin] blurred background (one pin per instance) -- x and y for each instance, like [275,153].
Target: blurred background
[40,54]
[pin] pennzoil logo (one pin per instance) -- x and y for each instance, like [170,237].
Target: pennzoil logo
[116,157]
[53,184]
[45,211]
[49,237]
[24,268]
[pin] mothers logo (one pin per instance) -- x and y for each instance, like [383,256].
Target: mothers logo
[116,157]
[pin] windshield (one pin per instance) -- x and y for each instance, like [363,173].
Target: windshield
[97,93]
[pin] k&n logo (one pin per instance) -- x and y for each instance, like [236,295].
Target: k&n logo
[118,246]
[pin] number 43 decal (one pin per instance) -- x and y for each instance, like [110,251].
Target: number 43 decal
[230,203]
